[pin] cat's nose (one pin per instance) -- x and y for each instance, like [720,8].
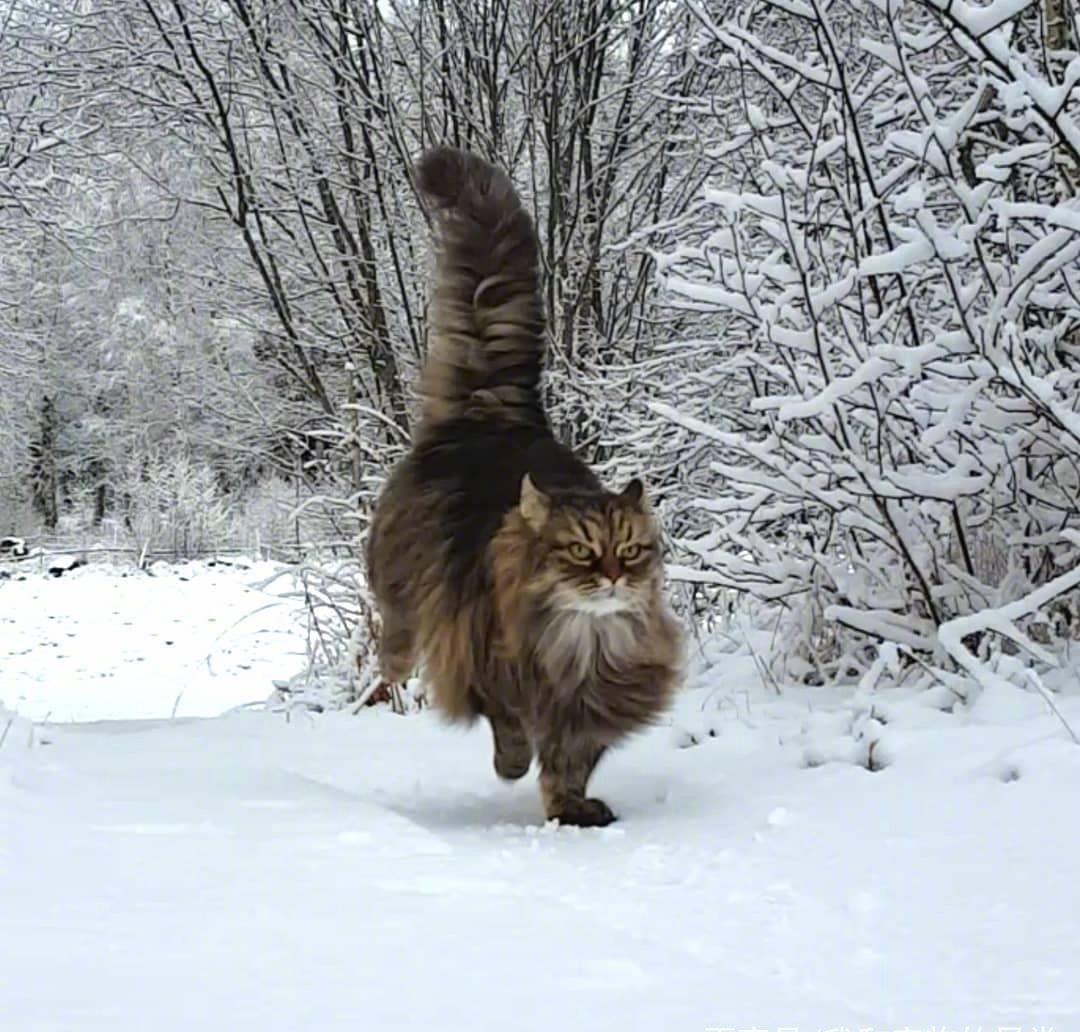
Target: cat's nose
[609,567]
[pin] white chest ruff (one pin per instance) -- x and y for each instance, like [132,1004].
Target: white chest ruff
[577,642]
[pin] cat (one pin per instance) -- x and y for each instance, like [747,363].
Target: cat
[526,592]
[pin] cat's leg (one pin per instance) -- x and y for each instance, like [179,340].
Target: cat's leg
[513,749]
[565,767]
[397,657]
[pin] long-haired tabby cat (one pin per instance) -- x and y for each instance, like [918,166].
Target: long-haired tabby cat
[526,592]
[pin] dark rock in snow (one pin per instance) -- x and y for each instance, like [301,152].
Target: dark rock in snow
[13,548]
[58,565]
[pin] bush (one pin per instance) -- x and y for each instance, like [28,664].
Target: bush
[175,505]
[892,246]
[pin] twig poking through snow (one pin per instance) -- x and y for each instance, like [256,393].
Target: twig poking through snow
[1049,700]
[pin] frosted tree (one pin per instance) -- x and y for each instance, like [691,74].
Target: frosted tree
[50,123]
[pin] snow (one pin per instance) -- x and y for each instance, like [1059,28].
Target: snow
[900,258]
[184,640]
[983,19]
[870,370]
[252,871]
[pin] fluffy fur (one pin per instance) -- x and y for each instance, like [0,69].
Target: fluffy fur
[527,592]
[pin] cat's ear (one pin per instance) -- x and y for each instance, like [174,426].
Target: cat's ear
[534,504]
[634,494]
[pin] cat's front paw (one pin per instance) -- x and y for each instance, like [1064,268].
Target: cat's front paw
[511,766]
[586,813]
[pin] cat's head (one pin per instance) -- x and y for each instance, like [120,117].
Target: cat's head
[597,552]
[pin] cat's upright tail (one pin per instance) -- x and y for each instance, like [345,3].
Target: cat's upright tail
[486,338]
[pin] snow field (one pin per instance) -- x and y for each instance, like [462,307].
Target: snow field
[321,872]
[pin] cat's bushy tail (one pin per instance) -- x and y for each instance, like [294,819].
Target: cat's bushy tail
[486,337]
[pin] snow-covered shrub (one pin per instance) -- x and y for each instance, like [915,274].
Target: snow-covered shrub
[292,520]
[174,505]
[341,625]
[16,514]
[265,517]
[891,246]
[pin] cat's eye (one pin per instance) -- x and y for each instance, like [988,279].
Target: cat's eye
[579,551]
[631,552]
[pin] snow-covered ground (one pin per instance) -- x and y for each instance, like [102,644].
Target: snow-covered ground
[337,872]
[182,640]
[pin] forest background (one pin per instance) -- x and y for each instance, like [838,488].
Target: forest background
[812,270]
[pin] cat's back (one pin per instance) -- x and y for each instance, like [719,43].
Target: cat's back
[447,498]
[482,464]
